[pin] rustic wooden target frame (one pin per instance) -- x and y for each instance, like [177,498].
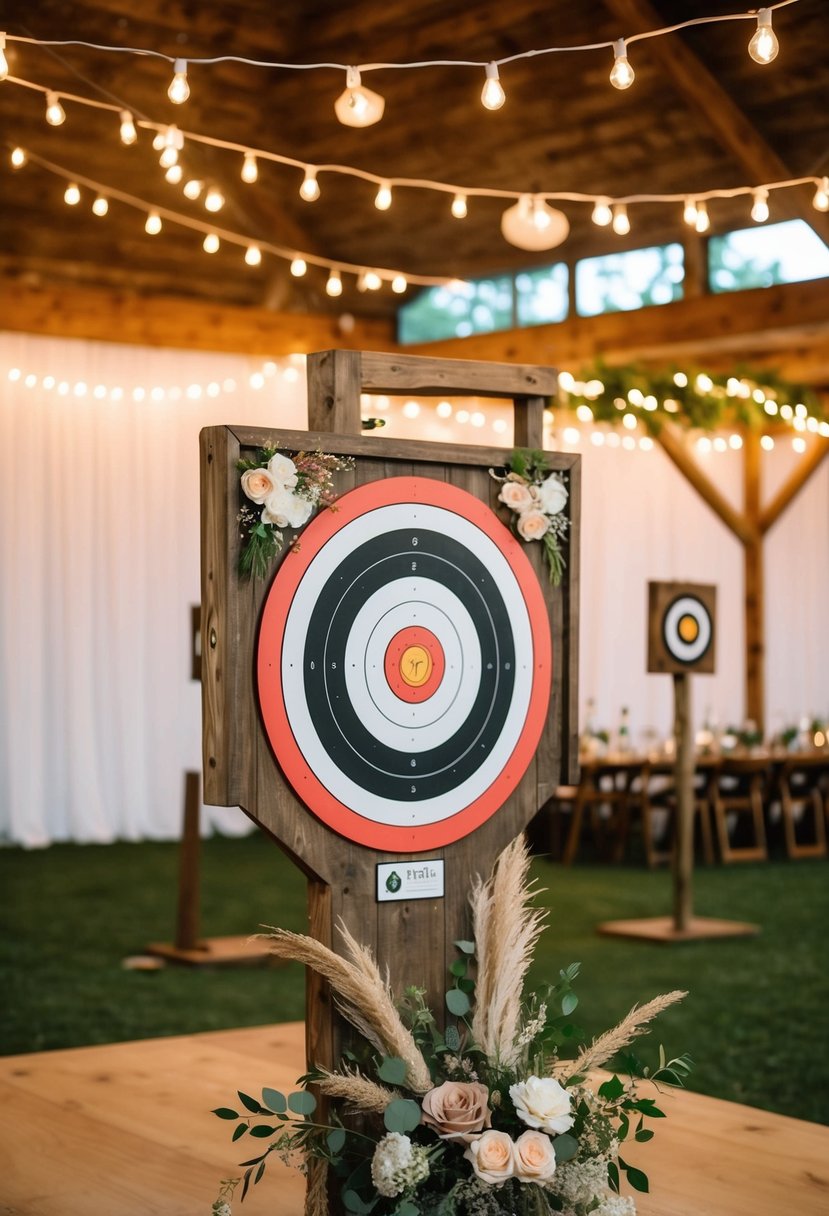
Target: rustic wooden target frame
[414,939]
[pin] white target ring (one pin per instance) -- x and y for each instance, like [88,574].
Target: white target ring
[687,629]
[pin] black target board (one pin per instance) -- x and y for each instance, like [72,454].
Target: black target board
[681,627]
[404,664]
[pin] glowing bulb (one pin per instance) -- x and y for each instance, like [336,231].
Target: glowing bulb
[382,200]
[399,284]
[72,195]
[602,213]
[358,106]
[680,379]
[214,200]
[821,200]
[334,286]
[310,188]
[101,205]
[621,223]
[159,140]
[764,45]
[179,89]
[250,169]
[799,445]
[411,409]
[211,243]
[153,224]
[128,132]
[253,255]
[629,421]
[760,206]
[372,281]
[168,157]
[459,207]
[766,443]
[193,188]
[622,74]
[703,221]
[532,224]
[492,94]
[298,267]
[18,158]
[443,409]
[735,441]
[55,113]
[4,63]
[174,174]
[689,213]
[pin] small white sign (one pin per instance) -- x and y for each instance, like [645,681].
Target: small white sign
[409,880]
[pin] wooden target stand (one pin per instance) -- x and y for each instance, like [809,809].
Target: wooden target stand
[253,631]
[681,640]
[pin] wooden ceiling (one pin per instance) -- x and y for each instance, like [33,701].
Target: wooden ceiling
[700,115]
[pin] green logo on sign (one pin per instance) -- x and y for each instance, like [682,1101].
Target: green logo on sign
[394,882]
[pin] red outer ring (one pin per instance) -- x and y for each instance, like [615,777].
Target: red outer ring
[414,635]
[340,818]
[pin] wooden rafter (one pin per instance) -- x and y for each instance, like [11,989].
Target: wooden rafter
[803,470]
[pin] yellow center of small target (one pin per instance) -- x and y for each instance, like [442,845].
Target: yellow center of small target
[688,628]
[415,666]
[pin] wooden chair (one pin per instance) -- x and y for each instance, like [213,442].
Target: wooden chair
[663,802]
[798,786]
[606,791]
[737,789]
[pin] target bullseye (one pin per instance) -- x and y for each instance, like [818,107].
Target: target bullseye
[687,629]
[404,664]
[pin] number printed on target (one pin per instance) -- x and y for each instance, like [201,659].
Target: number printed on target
[404,664]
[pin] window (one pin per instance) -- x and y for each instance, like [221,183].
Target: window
[765,255]
[621,282]
[541,296]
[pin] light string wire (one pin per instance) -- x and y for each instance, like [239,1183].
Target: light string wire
[426,63]
[416,183]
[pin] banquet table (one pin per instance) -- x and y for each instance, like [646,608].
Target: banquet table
[126,1130]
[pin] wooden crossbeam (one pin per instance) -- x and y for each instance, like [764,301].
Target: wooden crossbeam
[671,440]
[800,474]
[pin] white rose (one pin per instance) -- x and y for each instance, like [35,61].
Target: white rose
[532,525]
[286,510]
[283,470]
[541,1102]
[516,495]
[492,1156]
[535,1157]
[552,495]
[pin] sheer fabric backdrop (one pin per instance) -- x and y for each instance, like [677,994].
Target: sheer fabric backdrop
[99,537]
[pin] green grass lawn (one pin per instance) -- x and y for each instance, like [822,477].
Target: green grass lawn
[755,1022]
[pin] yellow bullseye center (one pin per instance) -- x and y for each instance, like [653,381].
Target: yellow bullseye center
[688,629]
[415,666]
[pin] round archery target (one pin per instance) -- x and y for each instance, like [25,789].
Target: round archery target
[404,664]
[686,629]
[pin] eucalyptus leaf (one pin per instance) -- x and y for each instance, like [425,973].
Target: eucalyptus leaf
[466,947]
[353,1203]
[402,1115]
[301,1102]
[458,968]
[407,1208]
[275,1101]
[336,1139]
[457,1002]
[453,1039]
[392,1070]
[566,1147]
[568,1003]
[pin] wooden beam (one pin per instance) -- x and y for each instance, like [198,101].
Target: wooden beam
[674,447]
[702,90]
[754,585]
[800,474]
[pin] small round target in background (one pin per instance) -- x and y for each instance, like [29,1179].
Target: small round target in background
[687,629]
[404,664]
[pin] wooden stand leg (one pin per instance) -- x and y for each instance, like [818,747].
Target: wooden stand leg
[684,779]
[187,918]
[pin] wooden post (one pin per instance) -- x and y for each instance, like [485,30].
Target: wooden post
[187,919]
[684,781]
[754,623]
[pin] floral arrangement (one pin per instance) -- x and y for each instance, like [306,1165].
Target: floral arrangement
[486,1117]
[537,498]
[288,490]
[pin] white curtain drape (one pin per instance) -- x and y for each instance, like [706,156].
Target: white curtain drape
[99,536]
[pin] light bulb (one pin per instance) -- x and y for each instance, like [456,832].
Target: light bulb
[55,113]
[764,45]
[128,132]
[602,214]
[821,200]
[18,158]
[72,195]
[153,225]
[101,205]
[168,157]
[179,89]
[760,206]
[298,267]
[334,286]
[214,200]
[492,94]
[211,243]
[399,284]
[174,174]
[621,223]
[690,212]
[459,208]
[4,63]
[158,141]
[310,188]
[531,224]
[703,222]
[622,74]
[358,106]
[382,200]
[250,169]
[372,280]
[253,255]
[193,188]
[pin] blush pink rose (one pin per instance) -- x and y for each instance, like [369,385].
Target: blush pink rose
[257,484]
[492,1156]
[457,1110]
[535,1157]
[532,525]
[516,495]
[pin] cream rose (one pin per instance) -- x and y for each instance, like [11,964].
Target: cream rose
[516,495]
[457,1110]
[492,1156]
[552,495]
[535,1157]
[283,470]
[257,484]
[532,525]
[541,1102]
[277,507]
[299,511]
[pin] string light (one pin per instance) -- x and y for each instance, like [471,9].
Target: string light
[310,188]
[179,89]
[821,200]
[4,63]
[621,222]
[492,94]
[531,224]
[298,267]
[358,106]
[760,206]
[101,205]
[153,225]
[250,169]
[334,286]
[622,74]
[55,113]
[399,284]
[689,213]
[703,220]
[459,208]
[172,141]
[72,194]
[372,281]
[602,213]
[174,174]
[193,188]
[18,158]
[382,200]
[763,46]
[211,243]
[253,255]
[214,200]
[129,135]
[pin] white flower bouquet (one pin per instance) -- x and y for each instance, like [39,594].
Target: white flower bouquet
[487,1116]
[536,499]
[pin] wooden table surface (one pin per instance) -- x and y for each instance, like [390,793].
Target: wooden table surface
[126,1130]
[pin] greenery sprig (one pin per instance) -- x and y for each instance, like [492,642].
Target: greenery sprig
[536,498]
